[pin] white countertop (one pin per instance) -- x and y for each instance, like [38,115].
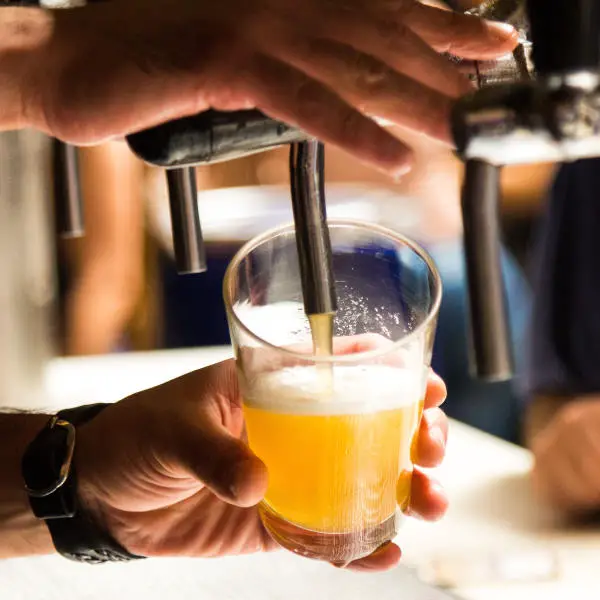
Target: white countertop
[491,511]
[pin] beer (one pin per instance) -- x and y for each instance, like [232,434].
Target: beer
[321,330]
[337,451]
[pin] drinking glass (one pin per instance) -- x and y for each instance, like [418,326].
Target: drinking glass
[334,431]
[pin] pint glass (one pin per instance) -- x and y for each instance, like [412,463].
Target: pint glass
[334,431]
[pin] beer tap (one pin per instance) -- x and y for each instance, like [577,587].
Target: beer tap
[549,114]
[67,191]
[214,136]
[208,137]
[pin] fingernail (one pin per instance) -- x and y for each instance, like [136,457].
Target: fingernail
[413,514]
[501,31]
[438,436]
[342,565]
[381,549]
[437,488]
[400,172]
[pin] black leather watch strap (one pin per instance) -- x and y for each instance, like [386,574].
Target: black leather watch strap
[51,481]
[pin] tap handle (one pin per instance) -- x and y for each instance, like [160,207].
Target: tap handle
[67,190]
[490,339]
[211,136]
[565,35]
[188,243]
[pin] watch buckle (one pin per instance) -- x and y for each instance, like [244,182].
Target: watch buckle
[65,468]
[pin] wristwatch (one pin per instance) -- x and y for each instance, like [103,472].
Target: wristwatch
[51,483]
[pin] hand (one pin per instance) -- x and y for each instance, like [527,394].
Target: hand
[567,455]
[322,65]
[168,473]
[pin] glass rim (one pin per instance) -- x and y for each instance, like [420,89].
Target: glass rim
[249,246]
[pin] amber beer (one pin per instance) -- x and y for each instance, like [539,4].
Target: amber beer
[338,455]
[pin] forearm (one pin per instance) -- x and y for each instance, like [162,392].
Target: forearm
[21,534]
[23,31]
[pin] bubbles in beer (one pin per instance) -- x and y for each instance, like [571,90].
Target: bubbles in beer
[334,457]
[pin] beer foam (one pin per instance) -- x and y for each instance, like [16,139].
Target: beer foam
[355,390]
[280,323]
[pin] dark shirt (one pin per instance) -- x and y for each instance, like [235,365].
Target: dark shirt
[564,350]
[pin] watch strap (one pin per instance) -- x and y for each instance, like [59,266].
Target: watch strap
[80,539]
[43,459]
[74,532]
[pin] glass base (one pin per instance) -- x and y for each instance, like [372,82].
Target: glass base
[336,548]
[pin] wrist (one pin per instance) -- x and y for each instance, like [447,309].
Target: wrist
[21,534]
[49,468]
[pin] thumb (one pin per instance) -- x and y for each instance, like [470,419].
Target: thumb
[224,464]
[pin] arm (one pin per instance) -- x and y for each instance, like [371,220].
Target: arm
[21,534]
[22,32]
[108,276]
[166,472]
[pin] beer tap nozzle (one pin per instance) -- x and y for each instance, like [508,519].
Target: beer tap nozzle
[206,138]
[188,243]
[67,191]
[491,354]
[312,233]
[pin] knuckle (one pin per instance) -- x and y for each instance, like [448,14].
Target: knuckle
[371,75]
[571,415]
[308,98]
[392,34]
[350,125]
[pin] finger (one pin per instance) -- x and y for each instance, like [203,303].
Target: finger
[466,36]
[287,94]
[559,484]
[572,466]
[589,457]
[436,390]
[383,559]
[375,88]
[387,40]
[560,475]
[374,344]
[430,448]
[223,463]
[349,344]
[364,342]
[428,499]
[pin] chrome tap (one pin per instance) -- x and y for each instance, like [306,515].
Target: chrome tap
[540,105]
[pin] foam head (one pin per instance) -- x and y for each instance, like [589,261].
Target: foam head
[352,389]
